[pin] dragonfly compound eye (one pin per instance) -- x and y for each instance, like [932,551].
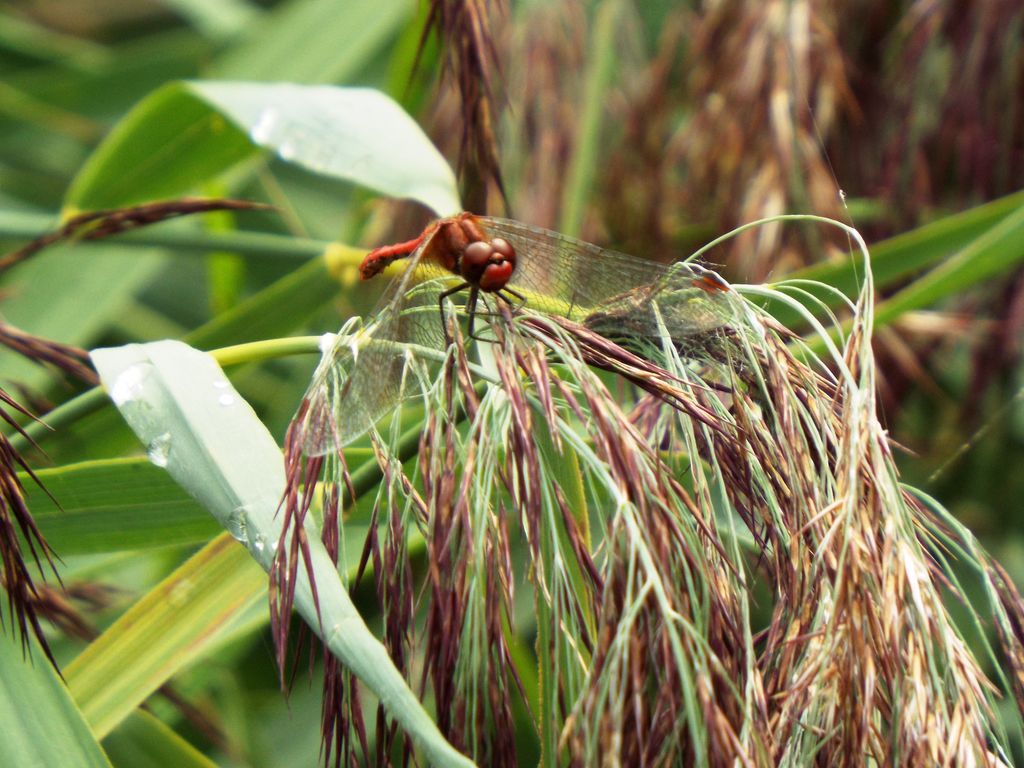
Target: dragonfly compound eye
[488,265]
[476,257]
[496,276]
[504,247]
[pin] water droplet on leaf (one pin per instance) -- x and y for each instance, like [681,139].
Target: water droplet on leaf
[159,449]
[238,525]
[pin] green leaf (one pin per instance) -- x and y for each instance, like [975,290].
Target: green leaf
[21,35]
[39,722]
[128,71]
[178,402]
[188,133]
[996,252]
[279,308]
[167,145]
[97,291]
[142,741]
[357,134]
[167,629]
[897,257]
[115,505]
[218,19]
[316,41]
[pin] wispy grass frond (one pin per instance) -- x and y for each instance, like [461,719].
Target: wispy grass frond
[721,563]
[18,532]
[69,359]
[21,541]
[466,31]
[96,225]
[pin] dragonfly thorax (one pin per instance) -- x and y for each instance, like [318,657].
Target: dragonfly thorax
[458,244]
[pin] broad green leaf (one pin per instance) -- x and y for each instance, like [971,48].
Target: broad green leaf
[19,34]
[180,405]
[39,722]
[95,292]
[216,18]
[164,631]
[206,602]
[279,308]
[187,133]
[357,134]
[130,70]
[897,257]
[113,505]
[142,741]
[315,41]
[994,253]
[167,145]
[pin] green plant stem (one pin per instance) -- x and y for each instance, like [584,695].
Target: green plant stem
[76,408]
[255,351]
[583,165]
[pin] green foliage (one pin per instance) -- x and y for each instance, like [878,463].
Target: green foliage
[186,134]
[199,102]
[41,723]
[114,506]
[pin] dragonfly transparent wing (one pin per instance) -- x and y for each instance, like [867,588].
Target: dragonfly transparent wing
[610,291]
[363,376]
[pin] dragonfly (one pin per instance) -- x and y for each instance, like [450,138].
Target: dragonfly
[363,376]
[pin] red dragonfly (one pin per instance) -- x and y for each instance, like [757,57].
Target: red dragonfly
[363,376]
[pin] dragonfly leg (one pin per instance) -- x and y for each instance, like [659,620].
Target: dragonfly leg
[474,294]
[440,306]
[511,297]
[520,300]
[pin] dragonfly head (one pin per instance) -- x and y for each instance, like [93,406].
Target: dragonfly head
[488,265]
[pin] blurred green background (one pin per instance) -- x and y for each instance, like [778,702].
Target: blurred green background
[646,127]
